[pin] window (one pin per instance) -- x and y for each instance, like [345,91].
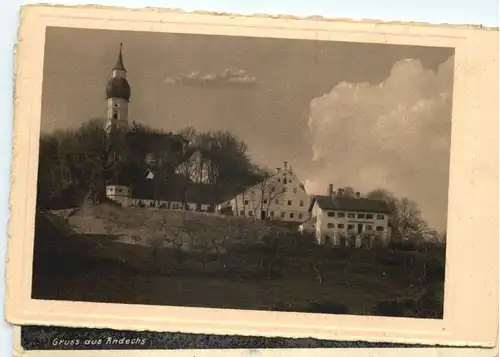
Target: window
[380,228]
[242,213]
[380,216]
[246,202]
[279,180]
[289,202]
[250,213]
[277,201]
[301,215]
[292,215]
[369,216]
[340,226]
[350,226]
[301,203]
[272,189]
[284,189]
[361,215]
[119,190]
[331,214]
[271,213]
[282,214]
[295,190]
[265,201]
[115,115]
[151,204]
[341,214]
[369,228]
[330,225]
[351,215]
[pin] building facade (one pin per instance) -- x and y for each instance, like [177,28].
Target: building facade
[354,221]
[281,196]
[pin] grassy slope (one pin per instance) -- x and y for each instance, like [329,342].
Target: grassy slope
[104,268]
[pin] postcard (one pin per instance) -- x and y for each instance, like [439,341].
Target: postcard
[255,176]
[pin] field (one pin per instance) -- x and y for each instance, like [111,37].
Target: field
[106,253]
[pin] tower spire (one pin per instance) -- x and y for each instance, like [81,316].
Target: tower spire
[119,63]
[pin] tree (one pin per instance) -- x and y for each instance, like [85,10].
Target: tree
[263,195]
[82,161]
[346,192]
[411,225]
[405,216]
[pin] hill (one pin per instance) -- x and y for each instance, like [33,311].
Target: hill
[168,228]
[148,256]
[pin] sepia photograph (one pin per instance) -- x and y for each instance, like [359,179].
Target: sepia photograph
[251,175]
[243,173]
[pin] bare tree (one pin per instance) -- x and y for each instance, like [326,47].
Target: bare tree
[264,195]
[411,225]
[405,216]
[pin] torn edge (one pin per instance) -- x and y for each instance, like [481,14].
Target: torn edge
[262,15]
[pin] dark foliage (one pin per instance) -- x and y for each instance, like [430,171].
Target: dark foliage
[76,165]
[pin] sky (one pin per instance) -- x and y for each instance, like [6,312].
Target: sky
[351,114]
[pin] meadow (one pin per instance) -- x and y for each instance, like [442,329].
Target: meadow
[104,253]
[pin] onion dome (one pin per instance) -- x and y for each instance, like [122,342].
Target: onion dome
[118,86]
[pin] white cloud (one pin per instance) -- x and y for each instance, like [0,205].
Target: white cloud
[394,135]
[227,77]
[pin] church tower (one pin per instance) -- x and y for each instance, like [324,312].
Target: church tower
[118,96]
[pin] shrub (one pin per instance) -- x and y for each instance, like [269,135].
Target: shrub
[327,307]
[403,245]
[434,271]
[322,307]
[432,301]
[397,307]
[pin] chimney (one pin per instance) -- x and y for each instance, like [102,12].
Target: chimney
[358,194]
[330,190]
[285,165]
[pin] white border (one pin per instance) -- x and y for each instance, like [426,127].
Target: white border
[471,314]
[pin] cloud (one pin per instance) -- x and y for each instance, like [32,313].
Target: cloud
[235,77]
[395,135]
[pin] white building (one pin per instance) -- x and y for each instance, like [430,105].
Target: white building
[338,220]
[161,194]
[281,196]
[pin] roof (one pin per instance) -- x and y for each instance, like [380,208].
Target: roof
[119,62]
[351,204]
[174,191]
[118,87]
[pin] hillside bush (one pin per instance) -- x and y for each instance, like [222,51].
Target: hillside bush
[397,308]
[321,306]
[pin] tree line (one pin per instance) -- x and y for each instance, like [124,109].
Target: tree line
[76,165]
[405,217]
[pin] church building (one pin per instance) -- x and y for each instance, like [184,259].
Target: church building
[162,184]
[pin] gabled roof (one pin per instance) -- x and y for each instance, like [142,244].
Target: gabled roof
[173,191]
[273,177]
[350,204]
